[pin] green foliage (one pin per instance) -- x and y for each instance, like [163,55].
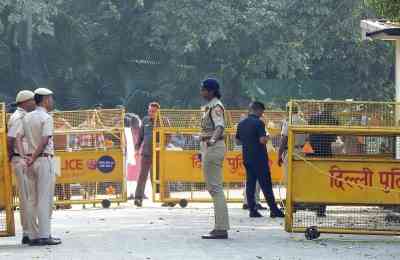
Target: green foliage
[135,51]
[389,9]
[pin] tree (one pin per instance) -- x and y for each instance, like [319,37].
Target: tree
[132,52]
[389,9]
[20,21]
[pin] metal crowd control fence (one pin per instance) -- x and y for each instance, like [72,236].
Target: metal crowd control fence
[90,155]
[90,158]
[346,178]
[6,210]
[177,176]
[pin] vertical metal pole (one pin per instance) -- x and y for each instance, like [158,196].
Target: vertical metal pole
[123,146]
[397,86]
[289,187]
[8,198]
[158,157]
[398,71]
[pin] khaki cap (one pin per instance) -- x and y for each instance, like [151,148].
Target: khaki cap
[43,92]
[24,95]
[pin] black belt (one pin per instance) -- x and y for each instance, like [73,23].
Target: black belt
[40,155]
[46,155]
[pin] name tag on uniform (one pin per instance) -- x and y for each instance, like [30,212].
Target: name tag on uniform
[57,165]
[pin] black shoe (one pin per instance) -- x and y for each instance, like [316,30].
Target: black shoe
[45,242]
[261,207]
[25,240]
[216,234]
[245,207]
[138,203]
[34,242]
[277,214]
[55,238]
[255,214]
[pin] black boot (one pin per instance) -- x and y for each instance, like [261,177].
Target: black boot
[261,207]
[255,214]
[277,214]
[25,240]
[216,234]
[138,202]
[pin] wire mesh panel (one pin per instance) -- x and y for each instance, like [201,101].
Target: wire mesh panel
[356,218]
[88,192]
[89,157]
[86,120]
[197,191]
[317,145]
[179,119]
[341,180]
[90,151]
[3,197]
[177,164]
[346,114]
[90,140]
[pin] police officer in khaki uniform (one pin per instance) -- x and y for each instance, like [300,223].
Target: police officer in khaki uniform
[17,147]
[38,129]
[212,153]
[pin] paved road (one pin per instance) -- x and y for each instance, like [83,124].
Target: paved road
[159,233]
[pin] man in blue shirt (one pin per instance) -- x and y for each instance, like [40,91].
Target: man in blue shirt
[252,136]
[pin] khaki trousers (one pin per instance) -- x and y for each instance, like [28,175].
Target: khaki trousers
[24,195]
[43,183]
[212,162]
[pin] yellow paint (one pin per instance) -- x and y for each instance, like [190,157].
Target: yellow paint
[368,180]
[81,167]
[185,166]
[346,182]
[5,179]
[189,167]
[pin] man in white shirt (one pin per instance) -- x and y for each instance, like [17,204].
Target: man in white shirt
[38,129]
[17,148]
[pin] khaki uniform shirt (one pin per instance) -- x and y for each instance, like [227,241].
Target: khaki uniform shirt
[213,117]
[15,127]
[38,124]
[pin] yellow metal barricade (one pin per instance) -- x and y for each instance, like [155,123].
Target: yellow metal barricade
[90,155]
[346,178]
[177,175]
[6,211]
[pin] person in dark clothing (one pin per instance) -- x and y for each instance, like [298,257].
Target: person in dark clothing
[322,143]
[252,136]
